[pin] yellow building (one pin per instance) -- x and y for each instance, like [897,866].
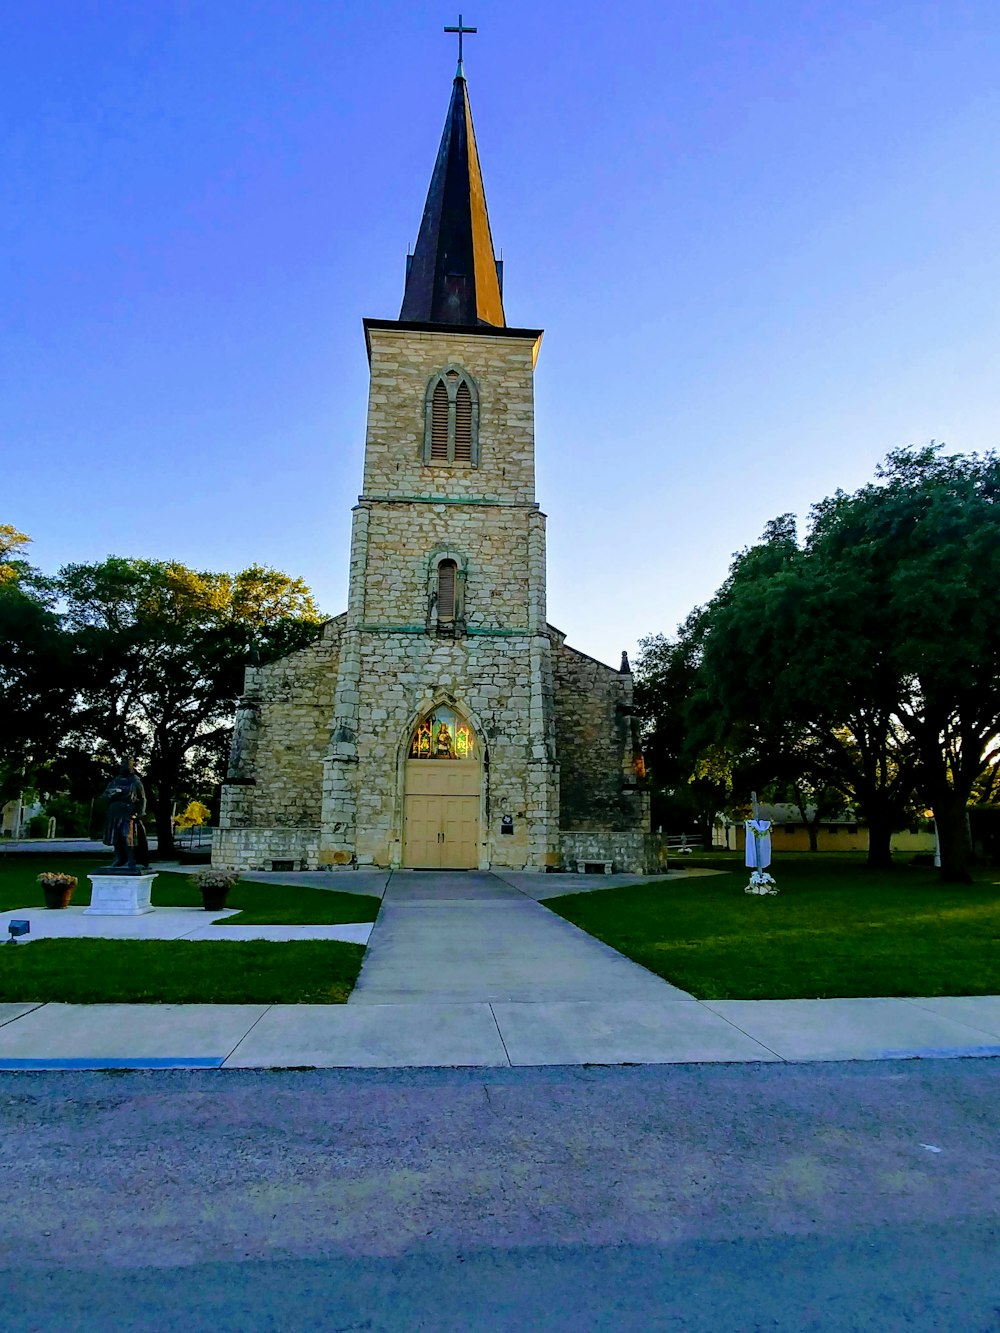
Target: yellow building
[790,834]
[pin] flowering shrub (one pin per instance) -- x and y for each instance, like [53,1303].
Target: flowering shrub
[52,879]
[194,815]
[211,878]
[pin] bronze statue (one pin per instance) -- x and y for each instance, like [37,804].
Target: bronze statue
[123,828]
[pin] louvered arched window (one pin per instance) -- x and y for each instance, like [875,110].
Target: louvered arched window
[439,423]
[446,578]
[447,571]
[451,431]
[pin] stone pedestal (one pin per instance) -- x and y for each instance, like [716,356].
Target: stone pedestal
[120,895]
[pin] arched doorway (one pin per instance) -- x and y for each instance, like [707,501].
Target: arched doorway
[442,793]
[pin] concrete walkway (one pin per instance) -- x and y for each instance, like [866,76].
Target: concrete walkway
[468,969]
[168,923]
[467,937]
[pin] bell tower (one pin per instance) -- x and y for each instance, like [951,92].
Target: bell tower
[445,633]
[440,721]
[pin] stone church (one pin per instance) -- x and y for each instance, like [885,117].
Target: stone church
[441,721]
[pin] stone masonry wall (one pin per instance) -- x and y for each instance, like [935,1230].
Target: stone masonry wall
[486,678]
[626,851]
[402,364]
[282,732]
[594,743]
[494,541]
[629,851]
[259,848]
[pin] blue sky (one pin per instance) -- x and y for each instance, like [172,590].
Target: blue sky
[761,240]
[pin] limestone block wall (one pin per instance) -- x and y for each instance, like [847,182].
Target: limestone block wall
[260,848]
[486,677]
[281,737]
[626,850]
[630,851]
[402,364]
[494,541]
[594,742]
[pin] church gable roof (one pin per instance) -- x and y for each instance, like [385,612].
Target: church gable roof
[453,276]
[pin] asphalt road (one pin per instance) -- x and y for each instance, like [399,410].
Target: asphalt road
[850,1196]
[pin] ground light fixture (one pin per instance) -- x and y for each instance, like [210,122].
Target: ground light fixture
[18,928]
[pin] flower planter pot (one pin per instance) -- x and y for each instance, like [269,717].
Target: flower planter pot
[214,900]
[58,895]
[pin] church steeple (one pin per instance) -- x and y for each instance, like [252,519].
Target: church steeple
[453,276]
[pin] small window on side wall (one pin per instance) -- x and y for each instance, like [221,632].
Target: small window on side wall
[451,419]
[447,570]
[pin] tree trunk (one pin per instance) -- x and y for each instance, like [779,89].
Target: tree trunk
[879,841]
[951,816]
[811,825]
[163,809]
[706,827]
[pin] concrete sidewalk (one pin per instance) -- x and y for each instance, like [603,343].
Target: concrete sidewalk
[168,923]
[152,1036]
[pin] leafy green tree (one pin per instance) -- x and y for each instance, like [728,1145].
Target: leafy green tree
[696,771]
[871,652]
[13,567]
[36,674]
[923,545]
[160,652]
[664,672]
[793,644]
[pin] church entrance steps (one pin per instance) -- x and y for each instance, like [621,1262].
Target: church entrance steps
[474,937]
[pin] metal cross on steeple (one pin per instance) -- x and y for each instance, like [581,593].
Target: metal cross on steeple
[461,30]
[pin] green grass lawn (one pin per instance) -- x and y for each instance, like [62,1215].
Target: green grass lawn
[835,929]
[180,971]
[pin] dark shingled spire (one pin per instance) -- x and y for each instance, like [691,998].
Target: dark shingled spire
[453,276]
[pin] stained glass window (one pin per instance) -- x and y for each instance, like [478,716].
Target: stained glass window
[443,735]
[421,746]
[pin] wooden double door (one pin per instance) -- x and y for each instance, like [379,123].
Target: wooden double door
[441,815]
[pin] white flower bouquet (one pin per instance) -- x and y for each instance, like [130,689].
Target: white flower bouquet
[761,883]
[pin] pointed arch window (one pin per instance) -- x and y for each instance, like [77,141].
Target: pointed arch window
[451,427]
